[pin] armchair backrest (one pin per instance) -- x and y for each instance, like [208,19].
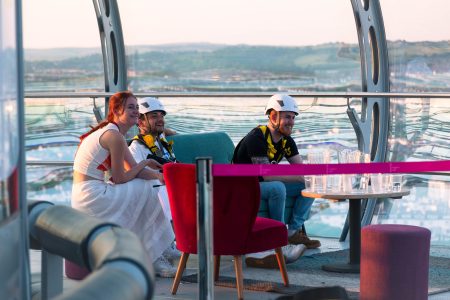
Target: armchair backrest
[181,188]
[217,145]
[235,205]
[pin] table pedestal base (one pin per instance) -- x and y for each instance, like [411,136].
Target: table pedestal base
[342,268]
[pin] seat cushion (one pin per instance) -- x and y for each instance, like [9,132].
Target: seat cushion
[266,234]
[394,262]
[74,271]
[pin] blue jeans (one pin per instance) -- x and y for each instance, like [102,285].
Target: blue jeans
[302,205]
[275,192]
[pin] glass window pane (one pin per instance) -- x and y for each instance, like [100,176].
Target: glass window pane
[62,46]
[419,52]
[253,45]
[419,45]
[8,111]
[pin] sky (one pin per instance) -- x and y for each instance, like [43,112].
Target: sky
[72,23]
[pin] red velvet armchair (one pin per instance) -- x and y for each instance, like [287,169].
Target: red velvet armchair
[237,229]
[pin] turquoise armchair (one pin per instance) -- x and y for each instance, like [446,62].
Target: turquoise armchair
[220,147]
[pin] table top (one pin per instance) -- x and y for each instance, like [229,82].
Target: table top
[355,194]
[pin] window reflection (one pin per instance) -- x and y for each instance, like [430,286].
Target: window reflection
[313,48]
[418,45]
[419,48]
[8,114]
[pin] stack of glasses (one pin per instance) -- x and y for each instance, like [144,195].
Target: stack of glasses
[350,183]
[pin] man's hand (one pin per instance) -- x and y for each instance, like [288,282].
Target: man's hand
[153,164]
[161,178]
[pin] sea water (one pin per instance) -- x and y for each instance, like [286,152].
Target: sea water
[420,131]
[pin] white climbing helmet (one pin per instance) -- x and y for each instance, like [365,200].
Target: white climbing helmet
[282,102]
[149,104]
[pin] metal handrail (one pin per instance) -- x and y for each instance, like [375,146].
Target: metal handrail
[240,94]
[52,163]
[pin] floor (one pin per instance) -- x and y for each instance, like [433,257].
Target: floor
[190,290]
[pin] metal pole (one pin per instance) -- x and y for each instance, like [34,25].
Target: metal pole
[21,165]
[205,228]
[52,275]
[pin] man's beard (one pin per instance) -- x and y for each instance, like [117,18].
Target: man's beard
[284,131]
[157,130]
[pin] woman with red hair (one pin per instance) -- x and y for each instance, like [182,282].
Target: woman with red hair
[128,197]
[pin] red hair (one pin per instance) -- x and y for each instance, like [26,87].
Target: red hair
[116,103]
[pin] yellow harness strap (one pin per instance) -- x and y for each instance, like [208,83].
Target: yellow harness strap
[272,152]
[149,142]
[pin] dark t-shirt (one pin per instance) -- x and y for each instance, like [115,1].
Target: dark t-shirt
[255,144]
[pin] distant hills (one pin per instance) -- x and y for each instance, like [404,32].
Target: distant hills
[204,66]
[53,54]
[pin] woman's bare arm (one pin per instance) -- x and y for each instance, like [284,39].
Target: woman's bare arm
[145,173]
[122,172]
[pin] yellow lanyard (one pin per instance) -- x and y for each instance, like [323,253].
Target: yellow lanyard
[272,152]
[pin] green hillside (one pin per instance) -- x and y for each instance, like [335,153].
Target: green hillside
[197,64]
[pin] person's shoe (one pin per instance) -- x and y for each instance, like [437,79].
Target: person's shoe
[163,268]
[268,259]
[300,238]
[293,252]
[172,253]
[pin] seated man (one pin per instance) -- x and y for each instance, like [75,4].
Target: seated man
[151,143]
[269,144]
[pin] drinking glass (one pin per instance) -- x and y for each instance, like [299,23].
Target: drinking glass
[334,183]
[320,182]
[397,182]
[319,156]
[350,181]
[365,177]
[309,183]
[260,160]
[387,182]
[343,156]
[377,181]
[347,183]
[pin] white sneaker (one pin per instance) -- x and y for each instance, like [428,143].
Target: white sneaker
[260,255]
[268,259]
[293,252]
[172,253]
[164,268]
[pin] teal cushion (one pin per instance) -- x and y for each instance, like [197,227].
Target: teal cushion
[217,145]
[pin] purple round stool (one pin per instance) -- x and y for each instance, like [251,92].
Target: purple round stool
[394,262]
[74,271]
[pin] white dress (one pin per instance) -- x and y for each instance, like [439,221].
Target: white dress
[133,205]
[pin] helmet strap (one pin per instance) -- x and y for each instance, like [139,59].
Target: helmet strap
[148,125]
[139,124]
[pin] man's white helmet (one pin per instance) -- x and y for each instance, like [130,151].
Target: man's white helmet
[282,102]
[149,104]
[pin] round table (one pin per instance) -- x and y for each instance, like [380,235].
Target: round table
[354,220]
